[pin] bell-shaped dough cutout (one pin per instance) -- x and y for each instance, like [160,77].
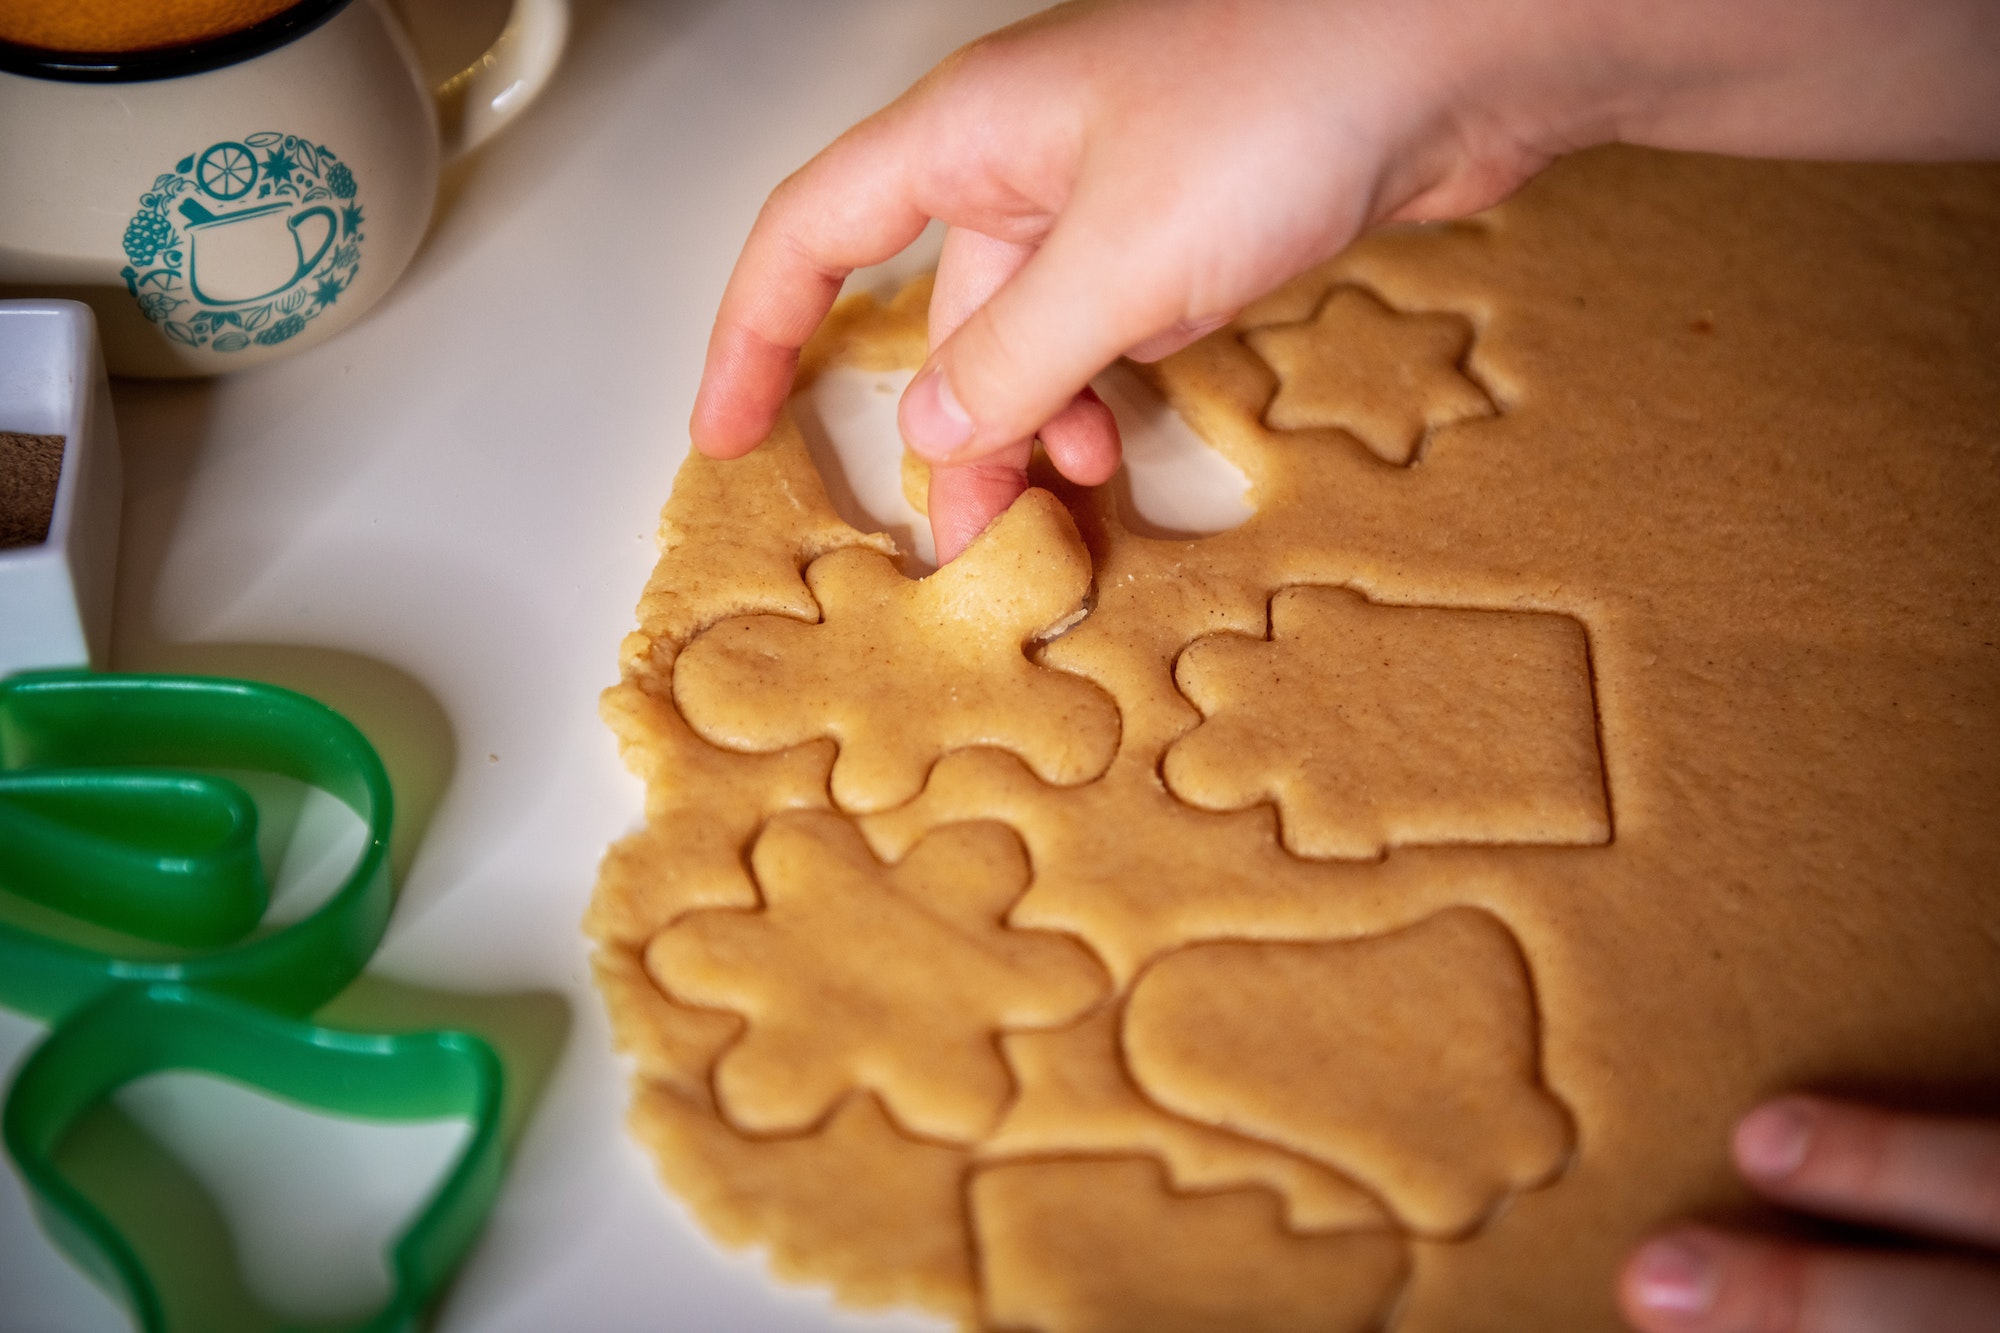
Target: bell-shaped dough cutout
[1075,1097]
[1409,1061]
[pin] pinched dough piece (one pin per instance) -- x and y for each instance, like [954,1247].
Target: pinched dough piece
[858,975]
[1409,1061]
[1374,725]
[1103,1246]
[1386,377]
[901,671]
[875,1214]
[1076,1098]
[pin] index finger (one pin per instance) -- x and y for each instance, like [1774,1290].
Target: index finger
[850,206]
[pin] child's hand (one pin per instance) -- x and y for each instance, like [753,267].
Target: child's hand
[1933,1176]
[1117,178]
[1121,177]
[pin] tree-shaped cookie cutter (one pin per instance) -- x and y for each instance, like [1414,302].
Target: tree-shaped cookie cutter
[98,822]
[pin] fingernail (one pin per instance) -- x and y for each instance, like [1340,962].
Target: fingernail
[1771,1141]
[933,420]
[1674,1278]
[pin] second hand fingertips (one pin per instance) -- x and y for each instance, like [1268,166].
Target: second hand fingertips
[1772,1141]
[1674,1278]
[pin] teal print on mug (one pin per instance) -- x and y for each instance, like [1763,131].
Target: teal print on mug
[245,241]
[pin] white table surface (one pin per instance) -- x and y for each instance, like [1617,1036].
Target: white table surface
[439,522]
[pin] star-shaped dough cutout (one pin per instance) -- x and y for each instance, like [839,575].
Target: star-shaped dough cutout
[926,973]
[901,671]
[1386,377]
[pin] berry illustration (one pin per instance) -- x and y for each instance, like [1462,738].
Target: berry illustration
[146,235]
[341,181]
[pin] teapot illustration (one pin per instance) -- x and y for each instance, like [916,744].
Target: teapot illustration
[234,258]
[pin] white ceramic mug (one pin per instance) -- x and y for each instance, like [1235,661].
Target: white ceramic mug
[235,200]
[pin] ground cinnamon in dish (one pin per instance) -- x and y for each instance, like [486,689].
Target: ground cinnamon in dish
[30,467]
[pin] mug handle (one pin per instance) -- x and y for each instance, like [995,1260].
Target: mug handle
[475,102]
[325,215]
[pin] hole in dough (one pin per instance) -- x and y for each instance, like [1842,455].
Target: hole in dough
[1173,484]
[848,419]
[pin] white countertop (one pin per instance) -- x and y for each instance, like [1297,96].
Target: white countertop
[439,522]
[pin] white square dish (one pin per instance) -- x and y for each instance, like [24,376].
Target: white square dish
[55,598]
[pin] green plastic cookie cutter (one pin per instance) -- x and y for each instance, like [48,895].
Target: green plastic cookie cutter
[168,856]
[92,826]
[138,1030]
[98,823]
